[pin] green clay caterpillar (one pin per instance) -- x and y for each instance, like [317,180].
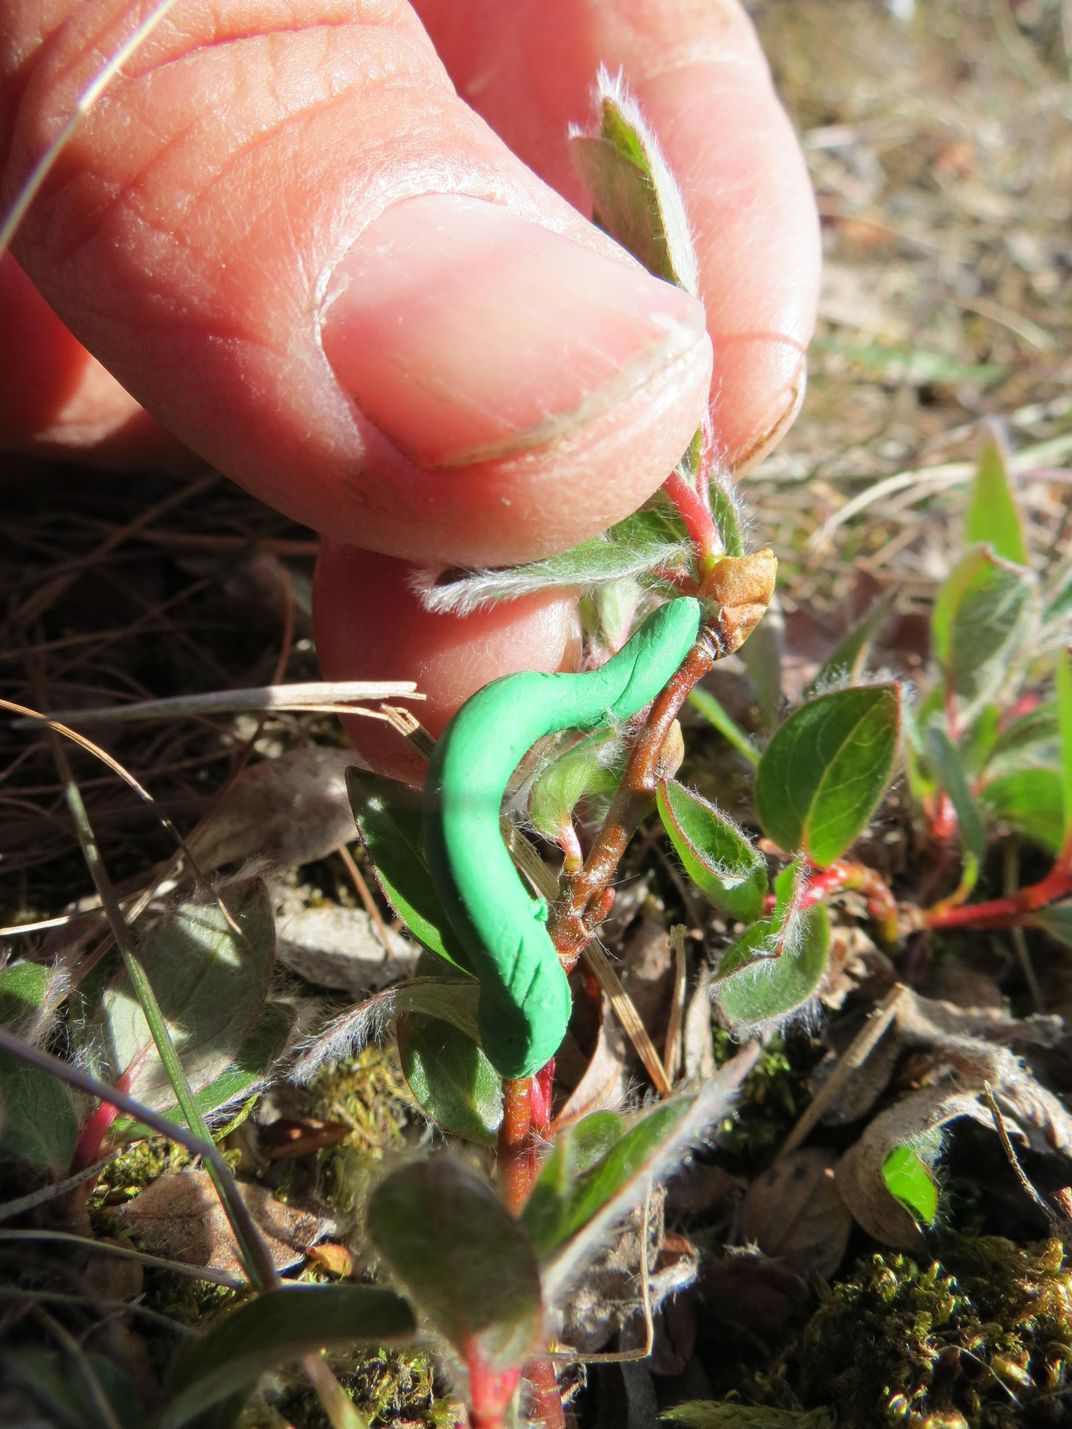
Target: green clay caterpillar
[524,1003]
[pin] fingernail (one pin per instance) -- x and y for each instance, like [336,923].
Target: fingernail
[466,333]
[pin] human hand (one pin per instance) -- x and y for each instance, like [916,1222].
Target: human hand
[293,245]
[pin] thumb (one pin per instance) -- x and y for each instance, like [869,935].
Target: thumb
[290,240]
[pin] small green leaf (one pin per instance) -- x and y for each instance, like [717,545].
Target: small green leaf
[251,1065]
[211,983]
[826,769]
[946,761]
[982,624]
[634,196]
[1031,802]
[462,1257]
[587,1167]
[775,968]
[849,657]
[450,1077]
[1056,920]
[713,712]
[651,538]
[573,1205]
[38,1123]
[275,1329]
[390,820]
[585,768]
[1064,721]
[993,517]
[720,860]
[909,1180]
[726,513]
[1030,742]
[22,990]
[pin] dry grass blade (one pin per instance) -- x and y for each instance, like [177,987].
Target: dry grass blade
[627,1015]
[126,1252]
[311,697]
[113,764]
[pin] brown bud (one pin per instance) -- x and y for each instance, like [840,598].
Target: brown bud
[741,587]
[671,753]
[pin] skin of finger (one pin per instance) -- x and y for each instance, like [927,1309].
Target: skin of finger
[57,400]
[701,78]
[190,228]
[370,625]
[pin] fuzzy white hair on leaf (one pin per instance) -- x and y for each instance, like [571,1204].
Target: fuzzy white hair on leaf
[679,241]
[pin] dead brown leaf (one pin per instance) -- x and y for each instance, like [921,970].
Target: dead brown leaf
[793,1213]
[180,1216]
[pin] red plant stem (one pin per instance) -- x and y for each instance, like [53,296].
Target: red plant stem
[490,1391]
[857,877]
[545,1406]
[91,1140]
[574,920]
[517,1146]
[697,518]
[1014,907]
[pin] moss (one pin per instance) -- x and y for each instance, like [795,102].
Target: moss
[773,1096]
[137,1166]
[982,1338]
[389,1387]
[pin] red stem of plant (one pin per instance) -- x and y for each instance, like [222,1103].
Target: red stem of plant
[1014,908]
[697,518]
[857,877]
[517,1145]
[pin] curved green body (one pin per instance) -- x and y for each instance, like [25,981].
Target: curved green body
[524,1004]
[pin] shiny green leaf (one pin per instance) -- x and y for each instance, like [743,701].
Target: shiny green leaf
[826,769]
[390,820]
[718,858]
[450,1077]
[909,1180]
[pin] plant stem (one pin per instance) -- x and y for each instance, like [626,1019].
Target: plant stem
[857,877]
[572,922]
[517,1146]
[1014,908]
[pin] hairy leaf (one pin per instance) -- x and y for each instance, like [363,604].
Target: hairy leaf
[38,1122]
[569,1215]
[585,768]
[720,860]
[776,967]
[464,1260]
[634,195]
[211,983]
[826,769]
